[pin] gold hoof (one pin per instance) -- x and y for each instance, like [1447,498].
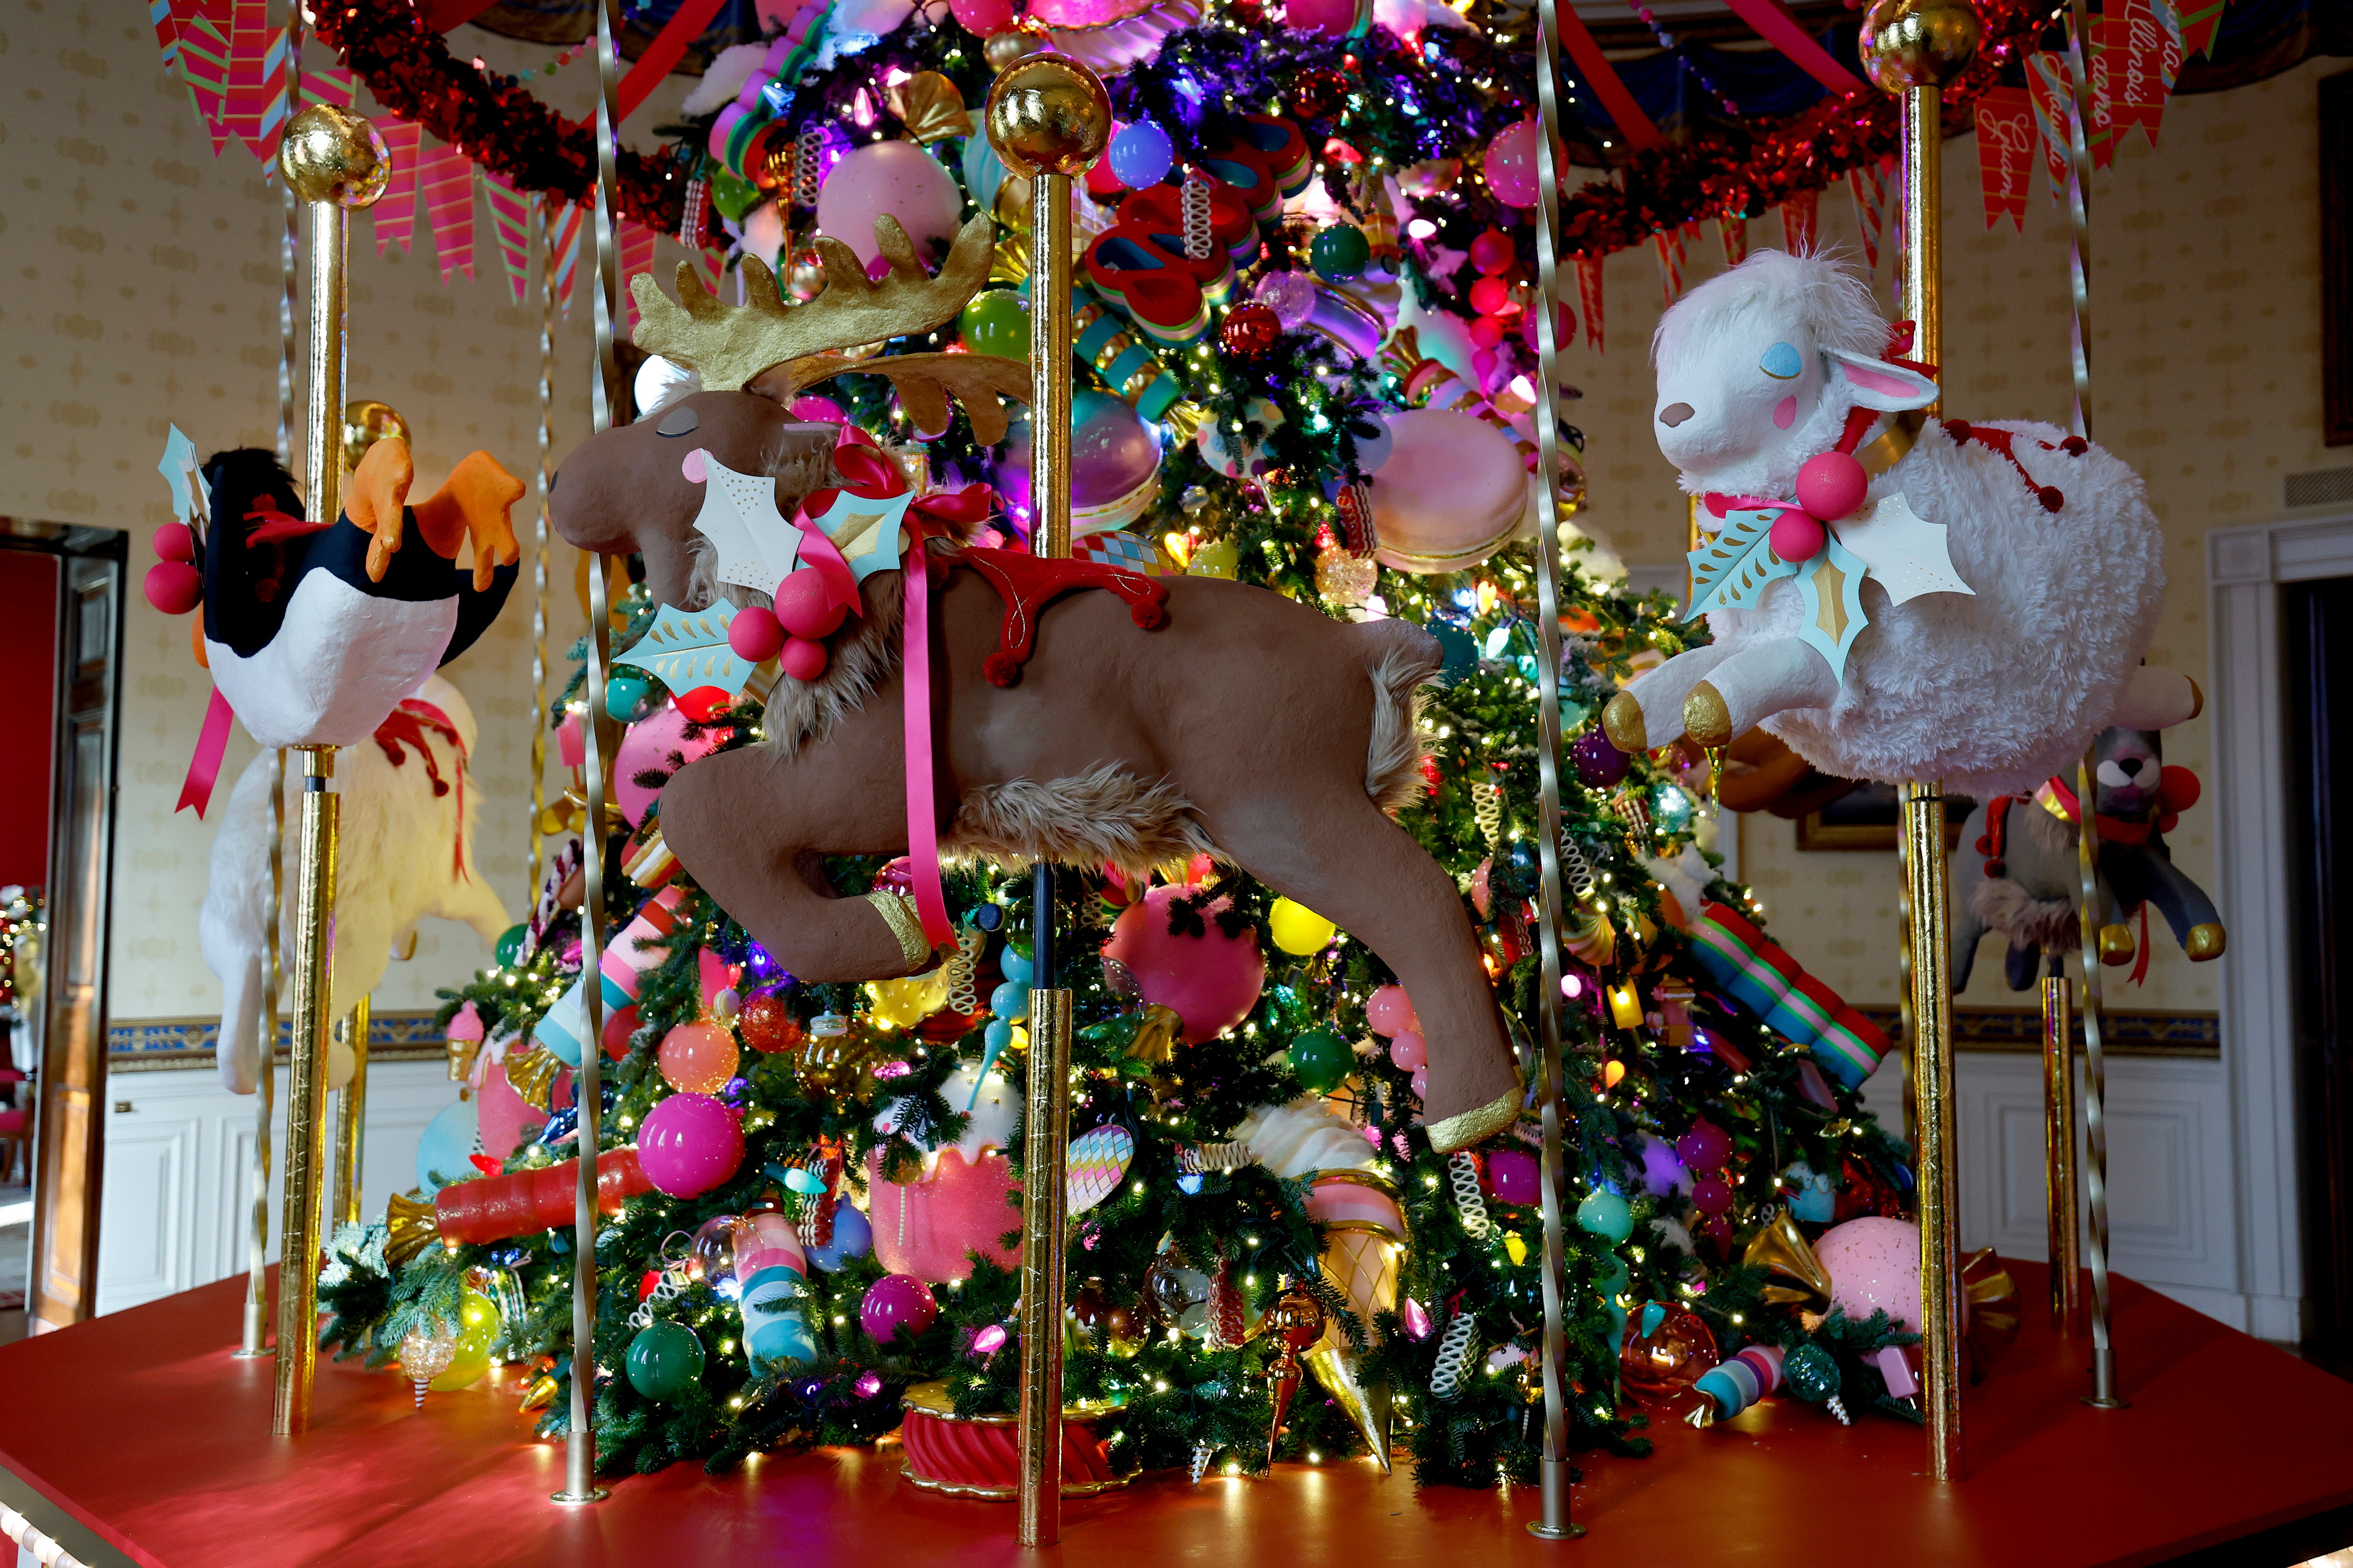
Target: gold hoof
[1621,721]
[2115,946]
[1705,717]
[2197,706]
[1468,1127]
[2205,943]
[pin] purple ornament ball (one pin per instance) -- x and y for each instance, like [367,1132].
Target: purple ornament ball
[1511,1176]
[897,1304]
[1291,296]
[1704,1147]
[1600,765]
[688,1144]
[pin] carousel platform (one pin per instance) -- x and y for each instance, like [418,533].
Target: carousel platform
[137,1438]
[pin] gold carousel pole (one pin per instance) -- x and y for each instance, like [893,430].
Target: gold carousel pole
[1048,118]
[1553,1469]
[605,395]
[335,163]
[256,1341]
[2059,1143]
[350,1119]
[1912,47]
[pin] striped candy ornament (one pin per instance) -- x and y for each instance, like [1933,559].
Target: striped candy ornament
[1737,1383]
[638,950]
[773,1272]
[1776,987]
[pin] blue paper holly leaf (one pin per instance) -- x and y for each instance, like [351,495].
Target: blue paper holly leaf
[685,649]
[1731,569]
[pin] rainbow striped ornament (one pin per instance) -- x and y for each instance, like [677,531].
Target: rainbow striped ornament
[774,1272]
[1776,987]
[1741,1381]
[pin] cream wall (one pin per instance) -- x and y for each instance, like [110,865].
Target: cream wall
[140,288]
[2205,377]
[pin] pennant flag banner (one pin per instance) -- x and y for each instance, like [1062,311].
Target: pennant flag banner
[1869,182]
[1670,243]
[2047,86]
[396,211]
[445,188]
[257,77]
[203,60]
[637,242]
[331,85]
[511,227]
[1798,216]
[1733,232]
[564,251]
[2142,58]
[2099,139]
[710,266]
[2198,19]
[2005,152]
[1588,299]
[167,30]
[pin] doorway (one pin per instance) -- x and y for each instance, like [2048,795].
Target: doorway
[2319,657]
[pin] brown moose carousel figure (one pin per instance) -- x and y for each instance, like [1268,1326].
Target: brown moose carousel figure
[1134,727]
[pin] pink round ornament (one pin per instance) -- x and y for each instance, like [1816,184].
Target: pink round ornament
[1704,1147]
[620,1023]
[1389,1011]
[1874,1266]
[982,17]
[1486,331]
[805,608]
[929,1228]
[802,658]
[818,410]
[1453,492]
[647,748]
[1711,1195]
[1511,1176]
[699,1057]
[754,635]
[1490,295]
[175,587]
[897,1304]
[1212,981]
[1796,536]
[1830,485]
[1512,164]
[1410,1051]
[1334,18]
[1492,252]
[1421,1083]
[688,1144]
[174,541]
[503,1118]
[896,178]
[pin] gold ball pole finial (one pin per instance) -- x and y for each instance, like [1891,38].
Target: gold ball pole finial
[367,422]
[1022,39]
[1918,43]
[331,155]
[1047,115]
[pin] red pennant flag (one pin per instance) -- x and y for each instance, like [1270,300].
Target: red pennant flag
[1733,232]
[255,102]
[2005,152]
[2143,59]
[445,187]
[1798,217]
[563,226]
[2199,18]
[637,243]
[203,62]
[396,211]
[2099,136]
[710,266]
[1588,298]
[333,85]
[1868,182]
[2047,87]
[510,227]
[1670,245]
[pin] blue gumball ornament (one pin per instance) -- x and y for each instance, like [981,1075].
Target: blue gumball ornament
[446,1148]
[853,1237]
[1010,1002]
[629,696]
[1605,1213]
[1016,970]
[1141,156]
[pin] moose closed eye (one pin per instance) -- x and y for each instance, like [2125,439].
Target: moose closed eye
[1782,363]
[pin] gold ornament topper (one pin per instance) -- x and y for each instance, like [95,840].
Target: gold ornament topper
[929,106]
[785,349]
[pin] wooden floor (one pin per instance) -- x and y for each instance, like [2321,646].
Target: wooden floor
[141,1429]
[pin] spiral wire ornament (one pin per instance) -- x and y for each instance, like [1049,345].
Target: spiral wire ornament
[1462,1170]
[1453,1355]
[1198,235]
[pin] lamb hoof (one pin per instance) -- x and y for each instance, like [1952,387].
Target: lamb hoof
[1705,717]
[1621,721]
[2205,943]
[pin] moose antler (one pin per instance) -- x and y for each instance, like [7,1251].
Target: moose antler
[732,346]
[925,382]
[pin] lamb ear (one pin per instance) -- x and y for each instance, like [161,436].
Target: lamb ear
[1880,384]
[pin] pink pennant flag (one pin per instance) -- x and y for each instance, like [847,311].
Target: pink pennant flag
[2005,152]
[203,62]
[167,30]
[333,85]
[511,227]
[637,242]
[1868,182]
[1734,233]
[2099,136]
[1672,256]
[396,211]
[2143,56]
[257,76]
[1588,298]
[2047,87]
[563,226]
[710,266]
[1799,216]
[445,187]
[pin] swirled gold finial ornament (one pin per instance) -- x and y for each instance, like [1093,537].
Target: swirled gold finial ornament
[1047,115]
[1918,43]
[367,422]
[331,155]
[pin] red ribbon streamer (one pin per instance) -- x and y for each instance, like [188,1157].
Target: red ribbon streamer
[1603,77]
[1777,27]
[668,48]
[203,768]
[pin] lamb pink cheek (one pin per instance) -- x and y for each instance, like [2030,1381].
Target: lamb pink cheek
[1785,413]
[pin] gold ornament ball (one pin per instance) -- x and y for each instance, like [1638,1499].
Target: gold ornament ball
[331,155]
[367,422]
[805,277]
[1918,43]
[1048,115]
[1001,50]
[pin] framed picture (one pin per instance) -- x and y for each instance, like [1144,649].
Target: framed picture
[1864,818]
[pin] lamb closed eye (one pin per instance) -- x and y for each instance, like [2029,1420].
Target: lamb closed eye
[1782,363]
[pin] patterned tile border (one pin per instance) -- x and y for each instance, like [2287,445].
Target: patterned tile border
[2194,1035]
[157,1045]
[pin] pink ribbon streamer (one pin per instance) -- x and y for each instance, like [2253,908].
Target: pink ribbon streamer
[212,745]
[923,819]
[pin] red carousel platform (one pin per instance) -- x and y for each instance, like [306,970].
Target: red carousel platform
[138,1438]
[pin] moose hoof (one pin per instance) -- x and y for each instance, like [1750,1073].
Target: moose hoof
[1466,1128]
[2205,943]
[1705,717]
[1621,721]
[2115,946]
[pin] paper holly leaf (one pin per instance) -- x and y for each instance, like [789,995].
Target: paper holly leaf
[1832,586]
[866,531]
[756,546]
[178,466]
[1907,554]
[685,649]
[1732,569]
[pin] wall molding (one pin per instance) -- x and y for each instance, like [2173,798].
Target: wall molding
[161,1045]
[2245,569]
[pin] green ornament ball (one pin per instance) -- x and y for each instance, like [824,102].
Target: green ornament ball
[630,694]
[1605,1213]
[1340,253]
[1811,1372]
[665,1360]
[994,323]
[509,947]
[1321,1059]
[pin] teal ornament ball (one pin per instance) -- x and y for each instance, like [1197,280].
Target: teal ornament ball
[1016,967]
[665,1360]
[509,946]
[630,694]
[1011,1001]
[1320,1060]
[1457,650]
[1811,1372]
[1605,1213]
[1340,253]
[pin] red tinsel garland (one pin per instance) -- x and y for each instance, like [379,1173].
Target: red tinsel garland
[493,120]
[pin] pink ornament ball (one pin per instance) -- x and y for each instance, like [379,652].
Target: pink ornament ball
[1492,252]
[802,658]
[982,17]
[174,541]
[1513,1176]
[1874,1266]
[894,177]
[897,1304]
[688,1144]
[1334,18]
[1212,981]
[1830,485]
[175,587]
[1389,1011]
[1704,1147]
[1410,1051]
[818,410]
[1711,1195]
[647,749]
[698,1057]
[1512,165]
[1486,331]
[1490,295]
[805,608]
[1796,536]
[1421,1083]
[754,635]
